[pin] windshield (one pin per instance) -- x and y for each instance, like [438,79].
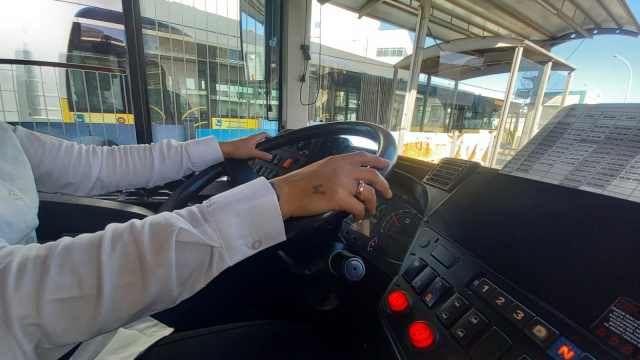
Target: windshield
[472,102]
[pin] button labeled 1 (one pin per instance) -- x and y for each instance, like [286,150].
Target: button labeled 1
[485,289]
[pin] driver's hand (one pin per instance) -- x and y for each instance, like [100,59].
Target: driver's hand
[245,148]
[331,184]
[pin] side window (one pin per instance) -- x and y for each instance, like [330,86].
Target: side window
[206,67]
[72,83]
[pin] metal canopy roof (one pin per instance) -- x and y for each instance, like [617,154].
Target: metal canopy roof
[469,58]
[543,21]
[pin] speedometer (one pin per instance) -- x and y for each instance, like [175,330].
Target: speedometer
[402,225]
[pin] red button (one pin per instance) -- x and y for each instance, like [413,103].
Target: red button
[420,334]
[287,163]
[397,301]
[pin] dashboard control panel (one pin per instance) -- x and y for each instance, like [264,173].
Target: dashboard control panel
[297,156]
[470,312]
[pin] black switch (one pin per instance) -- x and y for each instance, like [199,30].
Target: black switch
[524,357]
[257,168]
[276,159]
[501,301]
[519,315]
[264,170]
[266,174]
[272,175]
[254,166]
[445,256]
[541,333]
[423,280]
[435,291]
[417,265]
[490,346]
[452,309]
[470,325]
[485,289]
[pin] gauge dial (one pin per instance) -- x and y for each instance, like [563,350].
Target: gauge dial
[380,210]
[402,225]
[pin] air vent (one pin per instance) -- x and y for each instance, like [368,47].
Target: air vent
[445,174]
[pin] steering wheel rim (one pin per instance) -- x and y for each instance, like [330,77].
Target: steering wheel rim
[240,172]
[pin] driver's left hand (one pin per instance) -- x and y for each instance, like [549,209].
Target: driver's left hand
[245,148]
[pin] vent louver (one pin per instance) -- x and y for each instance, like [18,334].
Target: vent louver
[445,174]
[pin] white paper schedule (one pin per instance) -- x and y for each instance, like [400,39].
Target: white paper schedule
[588,147]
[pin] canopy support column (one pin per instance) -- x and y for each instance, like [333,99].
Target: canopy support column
[515,65]
[449,126]
[565,93]
[414,71]
[393,98]
[530,127]
[425,100]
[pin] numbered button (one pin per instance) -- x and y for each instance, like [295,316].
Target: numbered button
[501,301]
[519,315]
[485,289]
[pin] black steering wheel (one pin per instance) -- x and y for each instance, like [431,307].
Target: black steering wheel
[239,172]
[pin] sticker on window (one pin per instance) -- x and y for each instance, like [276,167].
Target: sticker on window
[619,328]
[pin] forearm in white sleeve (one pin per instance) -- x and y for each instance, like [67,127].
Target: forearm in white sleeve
[74,289]
[62,166]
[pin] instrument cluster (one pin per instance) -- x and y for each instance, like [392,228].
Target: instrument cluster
[385,236]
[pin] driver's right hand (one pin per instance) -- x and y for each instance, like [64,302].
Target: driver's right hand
[331,184]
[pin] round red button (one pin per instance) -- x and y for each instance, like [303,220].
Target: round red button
[420,334]
[397,301]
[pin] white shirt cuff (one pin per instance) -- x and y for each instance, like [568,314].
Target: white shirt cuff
[204,152]
[247,219]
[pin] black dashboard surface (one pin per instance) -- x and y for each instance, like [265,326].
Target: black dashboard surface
[573,250]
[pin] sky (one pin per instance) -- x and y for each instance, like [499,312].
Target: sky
[597,68]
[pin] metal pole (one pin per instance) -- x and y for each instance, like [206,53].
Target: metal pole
[454,142]
[565,93]
[414,71]
[630,76]
[533,121]
[424,105]
[394,85]
[517,56]
[453,106]
[137,71]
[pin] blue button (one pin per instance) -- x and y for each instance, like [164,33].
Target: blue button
[563,349]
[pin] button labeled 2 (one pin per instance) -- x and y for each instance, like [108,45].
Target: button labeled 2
[501,301]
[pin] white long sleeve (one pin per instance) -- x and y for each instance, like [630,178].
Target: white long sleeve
[74,289]
[55,295]
[66,167]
